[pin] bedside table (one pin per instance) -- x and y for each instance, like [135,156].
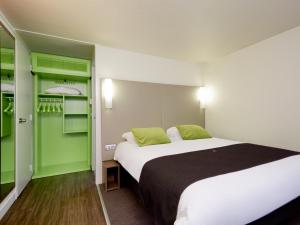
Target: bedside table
[111,175]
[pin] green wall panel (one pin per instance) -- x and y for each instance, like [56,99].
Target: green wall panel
[59,148]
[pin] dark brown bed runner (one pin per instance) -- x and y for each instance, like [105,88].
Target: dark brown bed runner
[164,179]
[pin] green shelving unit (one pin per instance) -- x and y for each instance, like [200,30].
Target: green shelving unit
[62,123]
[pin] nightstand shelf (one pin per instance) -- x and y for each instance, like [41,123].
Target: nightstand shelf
[111,175]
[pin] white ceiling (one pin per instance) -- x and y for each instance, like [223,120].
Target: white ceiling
[193,30]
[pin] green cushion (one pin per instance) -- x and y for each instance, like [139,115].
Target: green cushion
[150,136]
[192,132]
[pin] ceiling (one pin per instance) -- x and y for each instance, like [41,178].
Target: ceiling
[192,30]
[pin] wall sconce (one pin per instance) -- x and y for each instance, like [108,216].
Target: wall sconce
[204,96]
[107,87]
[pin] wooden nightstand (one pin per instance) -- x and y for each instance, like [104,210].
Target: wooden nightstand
[111,175]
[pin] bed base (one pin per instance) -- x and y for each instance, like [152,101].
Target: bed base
[288,214]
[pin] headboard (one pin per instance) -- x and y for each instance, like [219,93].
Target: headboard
[141,104]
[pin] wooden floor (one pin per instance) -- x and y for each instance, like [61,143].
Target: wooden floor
[70,199]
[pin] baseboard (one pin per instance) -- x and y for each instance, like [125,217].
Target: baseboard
[7,202]
[103,206]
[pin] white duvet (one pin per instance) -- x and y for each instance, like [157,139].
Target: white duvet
[235,198]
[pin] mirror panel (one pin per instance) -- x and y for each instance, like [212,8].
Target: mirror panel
[7,110]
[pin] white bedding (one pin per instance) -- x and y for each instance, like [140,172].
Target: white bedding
[229,199]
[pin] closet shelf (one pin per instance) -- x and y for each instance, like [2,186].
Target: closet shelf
[76,114]
[50,95]
[76,96]
[75,131]
[60,96]
[6,93]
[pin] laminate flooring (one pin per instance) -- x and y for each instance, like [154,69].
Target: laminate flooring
[70,199]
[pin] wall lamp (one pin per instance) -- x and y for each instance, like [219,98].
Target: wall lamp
[107,87]
[204,96]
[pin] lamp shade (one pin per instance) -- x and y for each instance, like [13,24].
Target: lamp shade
[204,95]
[107,87]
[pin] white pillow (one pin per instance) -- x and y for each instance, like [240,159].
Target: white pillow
[174,134]
[128,136]
[63,90]
[7,87]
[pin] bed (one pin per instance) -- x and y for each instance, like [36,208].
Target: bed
[214,181]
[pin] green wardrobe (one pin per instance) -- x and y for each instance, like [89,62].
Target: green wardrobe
[62,122]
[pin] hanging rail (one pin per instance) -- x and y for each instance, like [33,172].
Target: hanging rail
[50,105]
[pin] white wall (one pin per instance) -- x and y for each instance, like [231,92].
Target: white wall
[24,149]
[257,93]
[125,65]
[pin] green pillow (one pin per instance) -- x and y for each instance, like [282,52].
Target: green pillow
[192,132]
[150,136]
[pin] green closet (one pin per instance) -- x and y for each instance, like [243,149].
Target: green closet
[62,122]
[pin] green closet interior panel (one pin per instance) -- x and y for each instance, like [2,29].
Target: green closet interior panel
[61,122]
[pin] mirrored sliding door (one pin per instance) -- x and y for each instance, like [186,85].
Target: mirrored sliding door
[7,110]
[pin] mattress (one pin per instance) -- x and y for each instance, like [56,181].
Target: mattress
[207,201]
